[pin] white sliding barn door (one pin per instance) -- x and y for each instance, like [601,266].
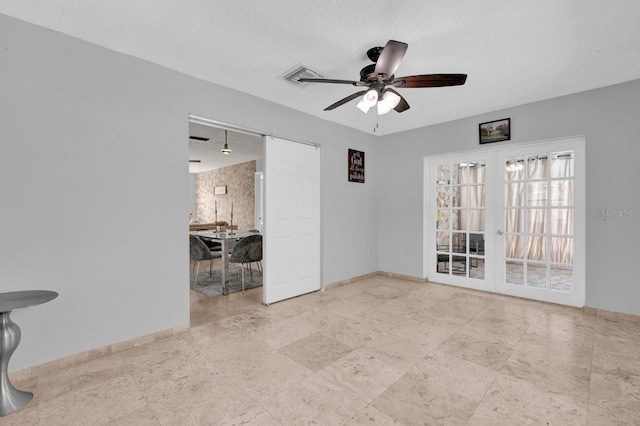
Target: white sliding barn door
[292,219]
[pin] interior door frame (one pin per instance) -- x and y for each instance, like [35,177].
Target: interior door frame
[492,203]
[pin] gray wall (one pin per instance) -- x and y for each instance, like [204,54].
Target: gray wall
[70,109]
[73,109]
[609,118]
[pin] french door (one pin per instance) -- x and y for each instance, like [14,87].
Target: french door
[460,250]
[509,220]
[541,222]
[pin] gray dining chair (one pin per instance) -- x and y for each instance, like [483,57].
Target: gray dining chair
[214,246]
[247,251]
[198,251]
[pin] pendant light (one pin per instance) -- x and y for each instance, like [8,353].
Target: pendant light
[225,150]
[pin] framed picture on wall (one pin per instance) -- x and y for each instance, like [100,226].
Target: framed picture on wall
[355,166]
[495,131]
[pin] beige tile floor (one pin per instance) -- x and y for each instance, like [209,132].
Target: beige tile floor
[380,351]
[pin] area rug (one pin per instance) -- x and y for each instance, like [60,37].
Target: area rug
[211,285]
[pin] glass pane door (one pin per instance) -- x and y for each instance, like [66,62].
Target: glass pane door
[537,225]
[458,219]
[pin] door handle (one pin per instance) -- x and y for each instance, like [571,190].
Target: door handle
[500,232]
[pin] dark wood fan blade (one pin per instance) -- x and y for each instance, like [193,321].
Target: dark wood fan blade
[430,80]
[345,100]
[329,80]
[403,105]
[390,58]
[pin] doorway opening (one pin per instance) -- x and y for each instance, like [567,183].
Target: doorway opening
[225,186]
[285,214]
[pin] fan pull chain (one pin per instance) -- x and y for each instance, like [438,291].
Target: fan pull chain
[375,120]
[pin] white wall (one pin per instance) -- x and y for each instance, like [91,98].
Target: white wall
[70,109]
[609,118]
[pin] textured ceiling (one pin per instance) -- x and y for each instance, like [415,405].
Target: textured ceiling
[514,52]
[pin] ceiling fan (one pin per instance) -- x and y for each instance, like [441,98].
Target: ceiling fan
[380,81]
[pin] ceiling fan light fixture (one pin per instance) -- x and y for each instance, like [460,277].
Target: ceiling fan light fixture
[388,102]
[225,150]
[362,106]
[370,98]
[378,79]
[383,108]
[391,98]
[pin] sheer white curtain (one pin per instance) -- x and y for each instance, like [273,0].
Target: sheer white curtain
[472,195]
[514,197]
[537,197]
[460,201]
[544,196]
[561,220]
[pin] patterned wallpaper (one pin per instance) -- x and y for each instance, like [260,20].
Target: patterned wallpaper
[240,181]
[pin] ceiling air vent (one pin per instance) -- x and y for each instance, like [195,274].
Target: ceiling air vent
[299,72]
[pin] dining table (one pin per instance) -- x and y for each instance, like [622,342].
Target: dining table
[227,240]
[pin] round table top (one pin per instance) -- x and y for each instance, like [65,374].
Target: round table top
[21,299]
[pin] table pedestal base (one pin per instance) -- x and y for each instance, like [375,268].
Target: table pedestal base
[10,398]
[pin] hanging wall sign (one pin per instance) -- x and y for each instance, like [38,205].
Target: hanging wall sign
[356,166]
